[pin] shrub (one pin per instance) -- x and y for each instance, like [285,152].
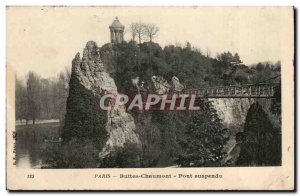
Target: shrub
[73,154]
[261,142]
[123,157]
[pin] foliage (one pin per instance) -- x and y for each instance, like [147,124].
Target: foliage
[73,154]
[259,67]
[204,141]
[149,135]
[40,98]
[21,101]
[127,156]
[195,70]
[171,127]
[265,71]
[276,102]
[260,142]
[83,119]
[33,101]
[228,58]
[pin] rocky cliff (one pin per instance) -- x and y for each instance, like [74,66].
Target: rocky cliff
[92,74]
[232,111]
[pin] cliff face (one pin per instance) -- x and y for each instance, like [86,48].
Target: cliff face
[92,74]
[232,111]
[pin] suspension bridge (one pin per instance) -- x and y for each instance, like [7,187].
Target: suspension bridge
[256,90]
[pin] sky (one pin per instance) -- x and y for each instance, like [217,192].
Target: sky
[46,39]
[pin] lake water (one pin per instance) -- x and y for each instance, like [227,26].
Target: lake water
[30,141]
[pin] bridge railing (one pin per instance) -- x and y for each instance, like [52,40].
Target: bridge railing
[257,90]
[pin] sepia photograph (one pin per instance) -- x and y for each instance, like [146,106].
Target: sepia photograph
[159,95]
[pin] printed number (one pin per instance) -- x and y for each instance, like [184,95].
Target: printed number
[30,176]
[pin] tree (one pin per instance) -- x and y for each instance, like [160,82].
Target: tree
[133,30]
[151,30]
[237,59]
[225,57]
[21,101]
[75,153]
[205,139]
[127,156]
[188,46]
[61,95]
[276,102]
[43,98]
[261,143]
[46,96]
[137,29]
[33,96]
[229,58]
[260,67]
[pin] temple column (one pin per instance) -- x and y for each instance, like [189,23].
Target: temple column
[119,37]
[122,36]
[111,36]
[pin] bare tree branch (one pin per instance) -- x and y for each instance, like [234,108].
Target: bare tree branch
[151,30]
[137,29]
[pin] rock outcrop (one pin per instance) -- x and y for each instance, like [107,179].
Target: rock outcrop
[161,86]
[92,74]
[177,86]
[232,111]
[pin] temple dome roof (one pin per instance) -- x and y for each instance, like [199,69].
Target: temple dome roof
[116,24]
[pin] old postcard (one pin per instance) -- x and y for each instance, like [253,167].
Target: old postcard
[150,98]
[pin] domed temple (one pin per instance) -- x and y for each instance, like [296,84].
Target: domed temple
[116,31]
